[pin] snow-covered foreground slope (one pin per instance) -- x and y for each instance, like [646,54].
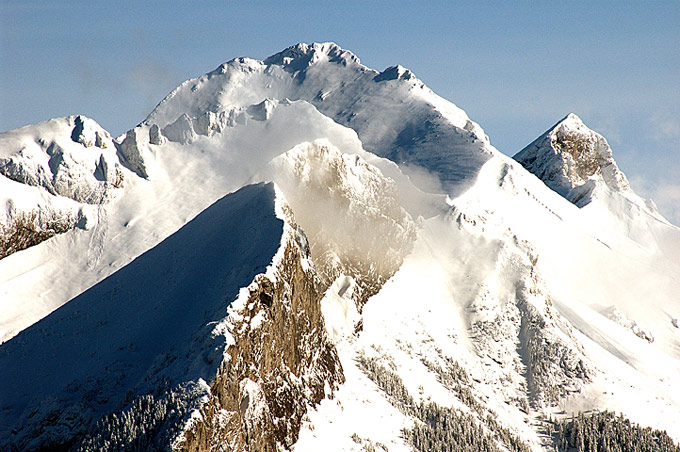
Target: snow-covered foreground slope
[440,294]
[148,312]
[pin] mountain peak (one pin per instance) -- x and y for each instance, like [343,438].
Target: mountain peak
[569,155]
[572,125]
[394,73]
[72,156]
[572,119]
[302,55]
[279,234]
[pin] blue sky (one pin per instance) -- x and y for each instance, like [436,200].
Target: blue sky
[515,67]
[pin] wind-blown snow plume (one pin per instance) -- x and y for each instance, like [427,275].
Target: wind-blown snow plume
[350,212]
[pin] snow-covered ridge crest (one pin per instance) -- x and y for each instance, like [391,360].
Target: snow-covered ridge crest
[72,157]
[301,55]
[252,368]
[394,114]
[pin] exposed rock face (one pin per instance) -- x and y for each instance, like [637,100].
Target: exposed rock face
[568,156]
[133,153]
[26,229]
[280,363]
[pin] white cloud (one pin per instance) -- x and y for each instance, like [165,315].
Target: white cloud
[665,129]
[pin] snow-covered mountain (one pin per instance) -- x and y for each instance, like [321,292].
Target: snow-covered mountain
[578,163]
[303,253]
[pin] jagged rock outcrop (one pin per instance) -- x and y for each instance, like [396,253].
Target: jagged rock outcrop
[280,363]
[133,153]
[568,156]
[578,164]
[72,157]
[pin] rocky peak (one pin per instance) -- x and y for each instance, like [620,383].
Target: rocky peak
[370,234]
[88,133]
[397,72]
[570,154]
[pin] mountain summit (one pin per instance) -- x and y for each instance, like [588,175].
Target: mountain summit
[570,154]
[303,253]
[394,114]
[578,163]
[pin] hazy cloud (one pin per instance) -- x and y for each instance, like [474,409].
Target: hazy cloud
[94,78]
[667,197]
[153,80]
[666,127]
[665,194]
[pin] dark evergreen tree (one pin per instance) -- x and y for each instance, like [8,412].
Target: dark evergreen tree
[605,432]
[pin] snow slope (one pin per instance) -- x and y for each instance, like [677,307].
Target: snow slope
[526,315]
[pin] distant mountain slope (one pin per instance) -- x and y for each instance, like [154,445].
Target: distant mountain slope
[395,115]
[71,157]
[508,308]
[53,175]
